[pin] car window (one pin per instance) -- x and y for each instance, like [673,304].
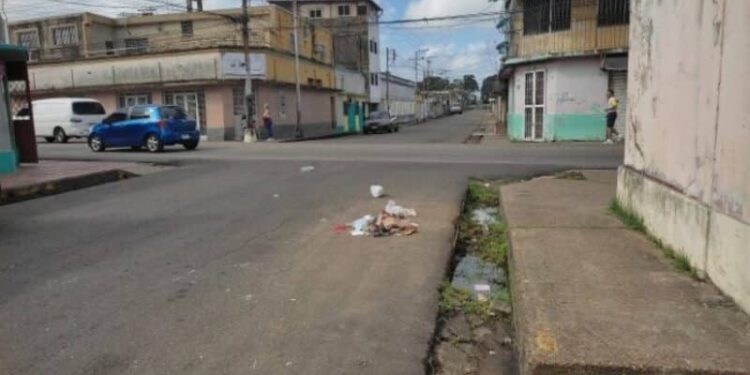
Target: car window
[140,113]
[88,108]
[115,117]
[377,115]
[177,113]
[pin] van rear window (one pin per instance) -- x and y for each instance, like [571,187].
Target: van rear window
[88,108]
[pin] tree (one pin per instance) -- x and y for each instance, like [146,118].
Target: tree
[470,83]
[434,84]
[490,88]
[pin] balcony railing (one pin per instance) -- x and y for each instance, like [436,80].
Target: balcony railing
[547,28]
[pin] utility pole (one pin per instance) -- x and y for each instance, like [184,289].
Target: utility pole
[200,5]
[250,135]
[189,5]
[388,80]
[5,37]
[298,129]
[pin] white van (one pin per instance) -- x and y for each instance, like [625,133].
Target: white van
[57,120]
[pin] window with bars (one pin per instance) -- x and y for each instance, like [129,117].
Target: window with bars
[544,16]
[343,10]
[187,28]
[65,35]
[136,45]
[28,39]
[613,12]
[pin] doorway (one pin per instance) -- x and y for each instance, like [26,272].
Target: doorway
[534,106]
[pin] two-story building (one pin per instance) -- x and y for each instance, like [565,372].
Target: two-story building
[562,56]
[192,59]
[356,37]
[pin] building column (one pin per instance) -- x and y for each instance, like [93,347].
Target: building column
[219,113]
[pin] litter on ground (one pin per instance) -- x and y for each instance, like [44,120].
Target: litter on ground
[393,220]
[485,216]
[376,191]
[306,169]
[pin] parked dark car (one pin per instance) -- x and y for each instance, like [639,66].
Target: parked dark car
[380,121]
[149,126]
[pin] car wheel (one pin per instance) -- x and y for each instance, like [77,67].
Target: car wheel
[49,139]
[365,132]
[154,143]
[60,136]
[96,144]
[190,145]
[397,128]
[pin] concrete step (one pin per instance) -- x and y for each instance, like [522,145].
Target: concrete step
[593,297]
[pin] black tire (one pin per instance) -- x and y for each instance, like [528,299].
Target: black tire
[96,144]
[365,132]
[49,139]
[153,143]
[60,136]
[191,145]
[397,129]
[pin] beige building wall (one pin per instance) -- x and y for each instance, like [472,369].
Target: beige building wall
[688,131]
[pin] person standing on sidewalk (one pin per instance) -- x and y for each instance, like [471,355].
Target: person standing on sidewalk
[612,104]
[268,122]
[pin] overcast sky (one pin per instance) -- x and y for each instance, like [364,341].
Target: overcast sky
[455,49]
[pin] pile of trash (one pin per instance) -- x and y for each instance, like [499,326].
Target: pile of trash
[392,220]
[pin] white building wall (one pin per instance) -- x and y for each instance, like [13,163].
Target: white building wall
[687,151]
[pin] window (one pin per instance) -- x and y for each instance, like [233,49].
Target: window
[543,16]
[282,104]
[374,79]
[316,13]
[291,41]
[187,28]
[120,115]
[362,10]
[28,39]
[110,47]
[343,10]
[374,47]
[140,113]
[614,12]
[88,108]
[65,35]
[173,112]
[320,52]
[136,45]
[133,99]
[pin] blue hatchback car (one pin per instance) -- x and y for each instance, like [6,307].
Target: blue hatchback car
[149,126]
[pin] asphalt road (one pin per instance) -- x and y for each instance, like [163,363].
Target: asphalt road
[229,263]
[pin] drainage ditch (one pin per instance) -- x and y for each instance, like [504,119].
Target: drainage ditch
[473,333]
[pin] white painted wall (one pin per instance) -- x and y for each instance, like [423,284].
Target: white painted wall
[689,131]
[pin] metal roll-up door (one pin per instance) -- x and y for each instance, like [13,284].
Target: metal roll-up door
[618,82]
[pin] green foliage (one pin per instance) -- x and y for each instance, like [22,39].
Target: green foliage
[493,246]
[470,83]
[629,218]
[482,194]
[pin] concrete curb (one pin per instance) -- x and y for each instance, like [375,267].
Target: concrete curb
[28,192]
[329,136]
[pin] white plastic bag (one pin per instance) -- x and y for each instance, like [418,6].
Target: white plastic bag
[359,226]
[393,209]
[376,191]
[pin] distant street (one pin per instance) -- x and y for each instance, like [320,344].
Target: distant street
[229,264]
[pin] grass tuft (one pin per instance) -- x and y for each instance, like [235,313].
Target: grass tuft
[629,218]
[633,221]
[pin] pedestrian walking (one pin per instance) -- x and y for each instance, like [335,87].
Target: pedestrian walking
[268,122]
[612,104]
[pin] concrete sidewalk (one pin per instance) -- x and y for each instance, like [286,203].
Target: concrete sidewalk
[593,297]
[53,177]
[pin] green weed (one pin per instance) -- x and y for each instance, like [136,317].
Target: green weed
[629,218]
